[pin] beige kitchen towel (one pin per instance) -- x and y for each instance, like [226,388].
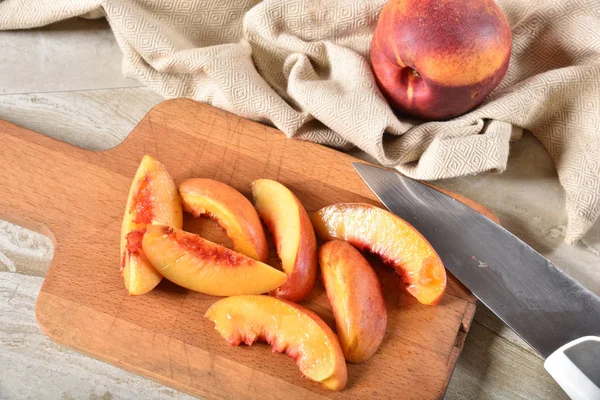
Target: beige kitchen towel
[303,67]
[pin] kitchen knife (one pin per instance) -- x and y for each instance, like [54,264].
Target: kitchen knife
[551,311]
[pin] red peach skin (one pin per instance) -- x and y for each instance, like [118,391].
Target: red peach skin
[437,59]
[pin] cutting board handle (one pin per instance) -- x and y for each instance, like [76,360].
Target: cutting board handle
[28,182]
[50,186]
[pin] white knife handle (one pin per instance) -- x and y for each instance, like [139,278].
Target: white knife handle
[576,368]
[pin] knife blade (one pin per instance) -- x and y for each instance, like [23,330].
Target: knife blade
[543,305]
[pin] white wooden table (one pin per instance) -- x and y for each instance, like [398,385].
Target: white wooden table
[65,81]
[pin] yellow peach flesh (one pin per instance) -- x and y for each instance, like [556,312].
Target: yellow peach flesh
[152,199]
[276,204]
[356,299]
[396,241]
[231,210]
[293,234]
[289,328]
[206,267]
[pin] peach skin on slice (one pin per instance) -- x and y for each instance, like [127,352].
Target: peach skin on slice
[356,299]
[288,328]
[294,236]
[152,199]
[231,210]
[397,242]
[206,267]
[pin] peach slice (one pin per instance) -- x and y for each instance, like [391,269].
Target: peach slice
[356,299]
[206,267]
[288,328]
[152,199]
[293,234]
[396,241]
[231,210]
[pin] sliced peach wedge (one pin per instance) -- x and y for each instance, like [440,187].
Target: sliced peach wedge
[397,242]
[294,236]
[356,299]
[288,328]
[206,267]
[152,199]
[231,210]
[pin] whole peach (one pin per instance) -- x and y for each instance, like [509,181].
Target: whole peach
[436,59]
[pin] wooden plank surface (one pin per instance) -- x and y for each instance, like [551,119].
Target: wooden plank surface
[77,197]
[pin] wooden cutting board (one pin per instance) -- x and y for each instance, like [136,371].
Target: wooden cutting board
[77,197]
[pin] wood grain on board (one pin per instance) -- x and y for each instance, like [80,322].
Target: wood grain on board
[77,197]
